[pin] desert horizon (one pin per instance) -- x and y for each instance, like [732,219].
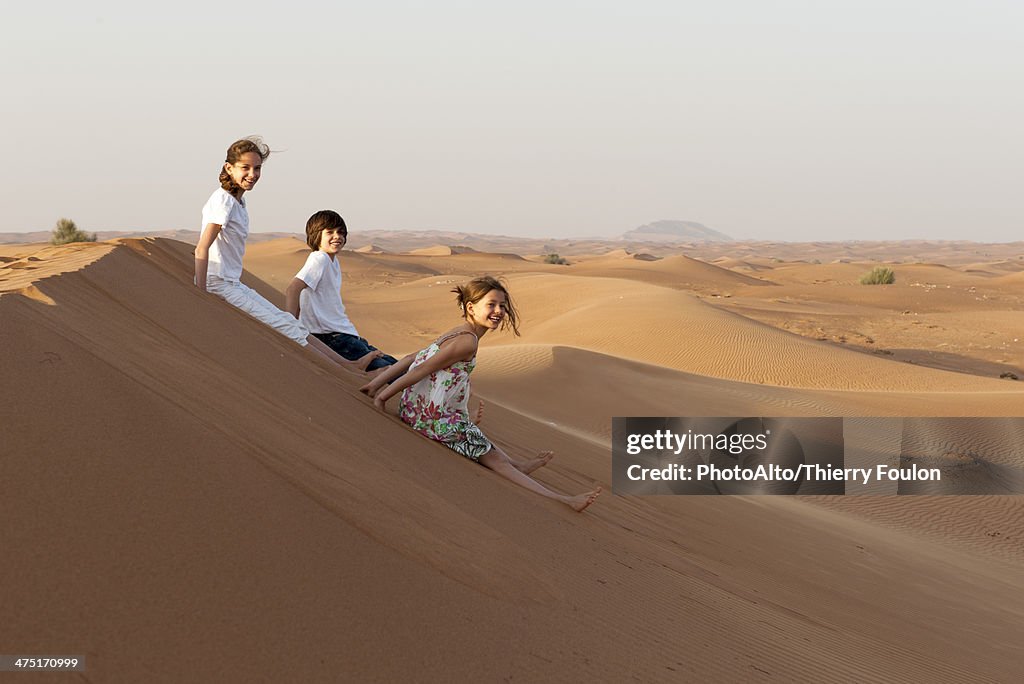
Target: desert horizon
[192,497]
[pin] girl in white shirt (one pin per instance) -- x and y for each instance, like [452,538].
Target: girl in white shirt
[222,245]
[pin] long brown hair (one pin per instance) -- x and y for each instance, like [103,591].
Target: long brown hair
[477,288]
[253,143]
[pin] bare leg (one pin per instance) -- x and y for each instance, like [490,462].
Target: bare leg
[498,461]
[522,465]
[529,465]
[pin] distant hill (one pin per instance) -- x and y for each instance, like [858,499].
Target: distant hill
[675,231]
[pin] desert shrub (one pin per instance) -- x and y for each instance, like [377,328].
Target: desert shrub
[879,275]
[554,259]
[66,231]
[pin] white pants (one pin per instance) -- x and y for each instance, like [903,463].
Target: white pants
[253,303]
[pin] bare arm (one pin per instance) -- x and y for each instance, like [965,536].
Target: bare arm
[291,296]
[396,369]
[461,348]
[210,233]
[386,375]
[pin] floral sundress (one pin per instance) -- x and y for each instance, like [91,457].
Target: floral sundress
[436,406]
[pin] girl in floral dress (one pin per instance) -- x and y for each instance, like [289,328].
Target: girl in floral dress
[434,386]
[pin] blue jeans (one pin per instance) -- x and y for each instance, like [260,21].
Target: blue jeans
[353,348]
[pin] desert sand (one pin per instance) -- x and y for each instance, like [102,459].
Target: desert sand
[188,496]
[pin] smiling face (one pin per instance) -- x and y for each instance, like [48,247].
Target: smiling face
[489,311]
[332,240]
[246,171]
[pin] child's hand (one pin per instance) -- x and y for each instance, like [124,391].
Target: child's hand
[362,362]
[379,401]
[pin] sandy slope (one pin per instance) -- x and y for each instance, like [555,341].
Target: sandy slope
[662,326]
[210,503]
[677,271]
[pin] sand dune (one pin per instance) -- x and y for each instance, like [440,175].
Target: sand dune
[182,480]
[1004,266]
[371,249]
[1012,279]
[739,264]
[673,329]
[23,270]
[442,250]
[678,271]
[509,372]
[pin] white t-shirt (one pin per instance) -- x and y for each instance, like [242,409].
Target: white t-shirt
[320,307]
[227,250]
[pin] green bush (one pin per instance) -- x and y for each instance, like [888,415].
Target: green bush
[879,275]
[554,259]
[66,231]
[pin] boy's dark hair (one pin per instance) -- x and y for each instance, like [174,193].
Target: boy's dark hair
[321,221]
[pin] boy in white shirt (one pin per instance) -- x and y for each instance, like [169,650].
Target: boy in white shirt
[314,295]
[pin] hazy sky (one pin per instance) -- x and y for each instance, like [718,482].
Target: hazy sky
[772,120]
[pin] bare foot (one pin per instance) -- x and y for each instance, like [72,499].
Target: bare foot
[581,501]
[480,416]
[542,460]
